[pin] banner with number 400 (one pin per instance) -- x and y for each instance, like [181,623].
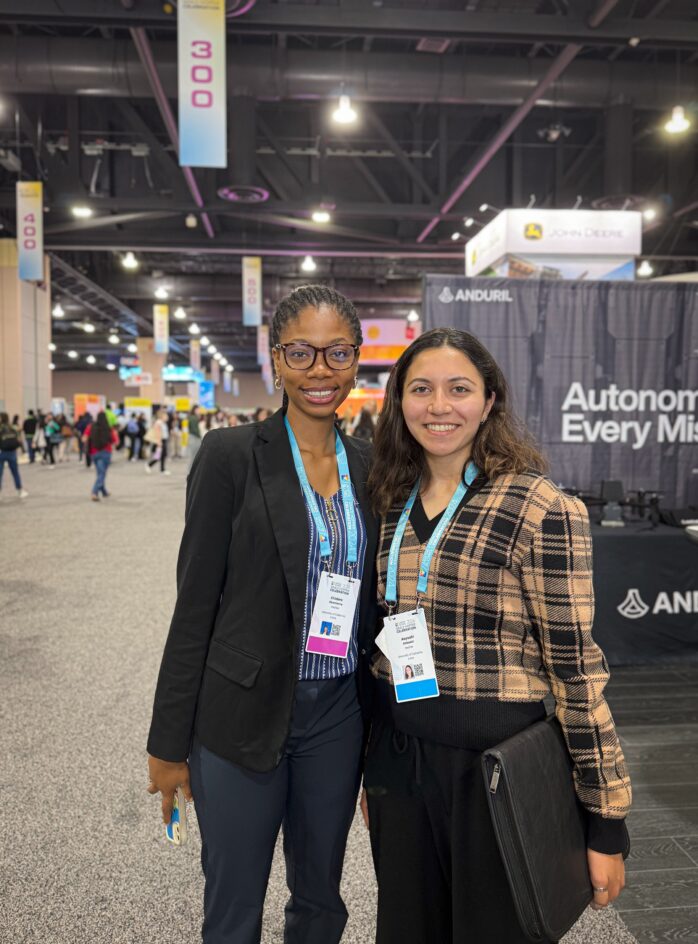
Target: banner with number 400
[30,230]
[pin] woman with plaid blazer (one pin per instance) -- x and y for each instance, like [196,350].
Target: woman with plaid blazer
[509,608]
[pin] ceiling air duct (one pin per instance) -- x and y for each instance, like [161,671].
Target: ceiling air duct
[242,148]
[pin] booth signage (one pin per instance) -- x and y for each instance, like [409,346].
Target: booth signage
[251,291]
[161,329]
[181,373]
[385,339]
[207,395]
[201,62]
[30,230]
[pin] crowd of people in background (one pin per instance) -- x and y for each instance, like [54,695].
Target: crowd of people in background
[51,439]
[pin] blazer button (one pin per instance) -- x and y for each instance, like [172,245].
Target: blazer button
[363,652]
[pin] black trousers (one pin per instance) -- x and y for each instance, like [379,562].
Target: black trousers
[440,875]
[312,793]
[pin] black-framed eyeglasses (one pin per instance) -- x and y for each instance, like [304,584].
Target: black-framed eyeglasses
[302,356]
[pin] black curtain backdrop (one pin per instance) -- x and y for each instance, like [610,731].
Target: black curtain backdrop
[576,341]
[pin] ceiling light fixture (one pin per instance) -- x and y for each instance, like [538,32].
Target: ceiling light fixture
[113,338]
[111,366]
[132,348]
[412,315]
[321,216]
[678,123]
[212,349]
[229,368]
[161,293]
[344,113]
[52,366]
[649,214]
[129,261]
[468,222]
[58,311]
[645,269]
[52,346]
[205,341]
[82,212]
[91,359]
[180,314]
[73,355]
[455,236]
[88,327]
[190,221]
[308,264]
[194,328]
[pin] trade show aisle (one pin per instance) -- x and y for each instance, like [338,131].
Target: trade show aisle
[87,593]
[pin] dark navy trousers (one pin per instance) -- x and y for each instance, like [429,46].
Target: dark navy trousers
[312,794]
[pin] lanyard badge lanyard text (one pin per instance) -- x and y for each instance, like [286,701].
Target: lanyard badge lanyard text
[332,619]
[405,637]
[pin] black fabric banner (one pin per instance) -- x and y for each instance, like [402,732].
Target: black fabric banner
[605,374]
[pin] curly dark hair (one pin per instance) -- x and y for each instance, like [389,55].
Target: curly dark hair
[502,444]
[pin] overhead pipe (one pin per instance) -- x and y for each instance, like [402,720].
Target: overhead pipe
[142,44]
[111,68]
[561,62]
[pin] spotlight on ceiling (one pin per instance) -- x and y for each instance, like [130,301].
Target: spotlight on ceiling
[91,359]
[212,349]
[553,132]
[321,216]
[132,348]
[344,113]
[308,264]
[455,236]
[111,366]
[161,293]
[73,355]
[51,366]
[180,314]
[229,368]
[412,316]
[468,222]
[52,346]
[191,221]
[194,328]
[645,269]
[58,311]
[649,214]
[205,341]
[82,212]
[113,338]
[88,327]
[129,261]
[678,123]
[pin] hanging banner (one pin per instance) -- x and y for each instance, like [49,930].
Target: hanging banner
[251,291]
[161,328]
[226,382]
[201,67]
[263,352]
[215,372]
[30,230]
[195,354]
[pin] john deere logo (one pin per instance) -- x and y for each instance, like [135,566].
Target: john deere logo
[633,606]
[533,231]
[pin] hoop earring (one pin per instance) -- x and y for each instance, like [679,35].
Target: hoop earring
[356,380]
[277,383]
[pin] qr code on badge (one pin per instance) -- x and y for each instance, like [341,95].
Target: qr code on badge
[418,670]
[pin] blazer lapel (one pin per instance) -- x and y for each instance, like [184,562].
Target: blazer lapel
[284,501]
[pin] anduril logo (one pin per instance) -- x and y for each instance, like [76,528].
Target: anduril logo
[446,295]
[633,606]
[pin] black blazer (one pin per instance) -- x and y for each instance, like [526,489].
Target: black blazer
[231,657]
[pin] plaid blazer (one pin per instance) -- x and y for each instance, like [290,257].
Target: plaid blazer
[509,607]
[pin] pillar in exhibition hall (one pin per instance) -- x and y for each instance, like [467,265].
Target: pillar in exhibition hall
[25,334]
[151,363]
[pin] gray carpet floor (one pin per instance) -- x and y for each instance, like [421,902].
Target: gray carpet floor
[86,593]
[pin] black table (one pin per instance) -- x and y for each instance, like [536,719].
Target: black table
[646,585]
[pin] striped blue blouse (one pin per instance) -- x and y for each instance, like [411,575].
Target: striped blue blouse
[314,665]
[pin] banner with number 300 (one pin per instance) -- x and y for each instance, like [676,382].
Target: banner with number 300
[202,83]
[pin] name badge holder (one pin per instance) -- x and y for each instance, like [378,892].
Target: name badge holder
[404,638]
[332,619]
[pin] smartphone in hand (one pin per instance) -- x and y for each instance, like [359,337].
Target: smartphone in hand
[176,829]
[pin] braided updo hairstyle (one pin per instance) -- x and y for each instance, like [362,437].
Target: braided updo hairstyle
[313,296]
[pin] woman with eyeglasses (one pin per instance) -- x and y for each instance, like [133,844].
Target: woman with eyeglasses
[260,704]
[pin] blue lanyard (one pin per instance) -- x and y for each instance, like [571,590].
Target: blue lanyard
[347,498]
[471,473]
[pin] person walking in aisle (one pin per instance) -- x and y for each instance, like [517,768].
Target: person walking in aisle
[158,435]
[100,439]
[29,430]
[9,444]
[491,563]
[132,434]
[52,434]
[257,711]
[194,441]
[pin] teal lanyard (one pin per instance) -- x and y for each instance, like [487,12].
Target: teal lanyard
[347,498]
[471,473]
